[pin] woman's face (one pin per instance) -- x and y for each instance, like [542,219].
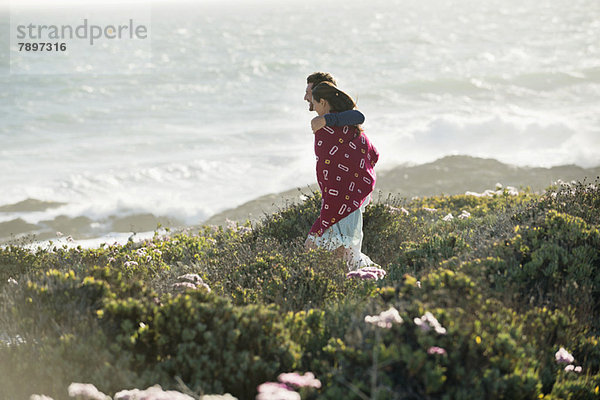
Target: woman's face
[321,106]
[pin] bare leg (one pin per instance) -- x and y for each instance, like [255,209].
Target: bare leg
[343,253]
[309,244]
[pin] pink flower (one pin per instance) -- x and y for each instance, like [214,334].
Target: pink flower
[572,368]
[296,380]
[191,281]
[436,350]
[276,391]
[563,356]
[386,319]
[399,210]
[152,393]
[242,230]
[360,274]
[203,285]
[131,264]
[427,322]
[377,271]
[184,285]
[367,273]
[195,278]
[86,391]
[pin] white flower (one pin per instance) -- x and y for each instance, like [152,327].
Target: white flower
[464,215]
[386,319]
[195,278]
[12,281]
[399,210]
[276,391]
[184,285]
[509,190]
[427,322]
[294,379]
[563,356]
[448,217]
[152,393]
[131,264]
[191,281]
[86,391]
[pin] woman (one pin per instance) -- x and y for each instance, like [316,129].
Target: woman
[345,161]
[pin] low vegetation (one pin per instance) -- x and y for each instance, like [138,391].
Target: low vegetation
[491,292]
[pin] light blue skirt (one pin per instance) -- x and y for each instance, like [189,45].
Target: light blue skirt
[347,233]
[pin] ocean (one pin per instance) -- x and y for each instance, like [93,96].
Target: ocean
[208,112]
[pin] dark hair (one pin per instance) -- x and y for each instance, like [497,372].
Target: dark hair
[317,77]
[338,100]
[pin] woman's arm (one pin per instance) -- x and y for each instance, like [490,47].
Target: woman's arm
[350,117]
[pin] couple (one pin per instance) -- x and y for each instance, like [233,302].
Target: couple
[345,161]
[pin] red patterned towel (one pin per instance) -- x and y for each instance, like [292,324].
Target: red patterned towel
[345,161]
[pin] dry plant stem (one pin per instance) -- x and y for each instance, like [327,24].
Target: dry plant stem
[354,389]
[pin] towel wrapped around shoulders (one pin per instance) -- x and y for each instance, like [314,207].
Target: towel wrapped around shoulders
[345,162]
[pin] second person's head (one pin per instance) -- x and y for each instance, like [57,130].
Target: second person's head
[327,98]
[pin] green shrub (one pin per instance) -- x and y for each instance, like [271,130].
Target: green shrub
[511,284]
[50,363]
[579,199]
[556,263]
[572,386]
[292,223]
[212,345]
[294,282]
[486,354]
